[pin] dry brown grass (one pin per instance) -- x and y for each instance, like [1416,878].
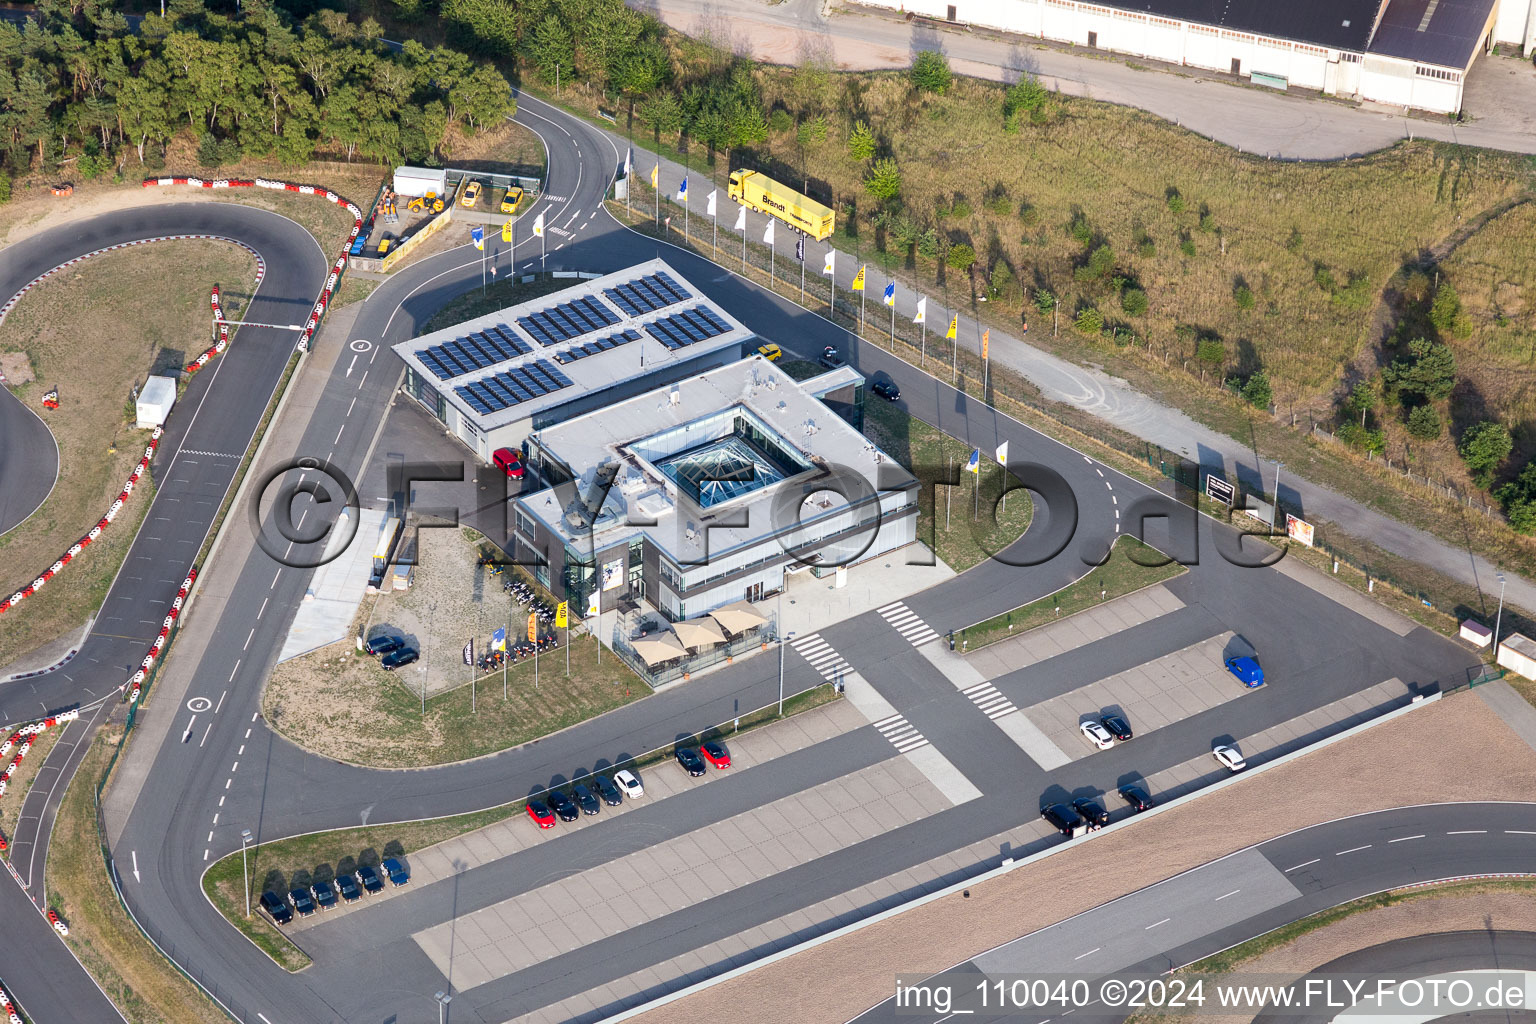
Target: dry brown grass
[94,333]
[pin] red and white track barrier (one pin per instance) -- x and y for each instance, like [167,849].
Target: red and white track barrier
[21,741]
[8,1008]
[218,346]
[135,683]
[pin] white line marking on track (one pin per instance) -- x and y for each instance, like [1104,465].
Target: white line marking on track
[1157,924]
[1518,832]
[1304,864]
[248,639]
[1092,951]
[1223,896]
[1404,839]
[220,704]
[1356,849]
[1469,832]
[205,734]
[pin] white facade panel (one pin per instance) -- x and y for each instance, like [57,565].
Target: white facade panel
[1515,23]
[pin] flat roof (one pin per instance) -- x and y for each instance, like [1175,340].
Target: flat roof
[1443,32]
[509,365]
[1337,24]
[638,436]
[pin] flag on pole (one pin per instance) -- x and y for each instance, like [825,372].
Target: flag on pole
[986,338]
[800,250]
[741,220]
[563,614]
[477,235]
[469,652]
[954,327]
[538,225]
[768,235]
[1002,454]
[656,174]
[858,279]
[831,262]
[594,603]
[889,298]
[506,232]
[499,639]
[710,210]
[922,308]
[533,627]
[629,163]
[682,190]
[973,464]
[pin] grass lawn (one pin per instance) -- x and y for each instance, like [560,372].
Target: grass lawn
[156,317]
[133,974]
[960,525]
[283,863]
[1120,575]
[800,369]
[498,295]
[21,783]
[343,703]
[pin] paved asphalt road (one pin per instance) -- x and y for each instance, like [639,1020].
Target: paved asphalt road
[29,458]
[1292,876]
[250,779]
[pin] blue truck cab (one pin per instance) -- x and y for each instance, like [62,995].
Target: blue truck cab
[1247,671]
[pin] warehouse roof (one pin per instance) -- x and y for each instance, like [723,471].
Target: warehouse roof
[1443,32]
[1338,24]
[509,365]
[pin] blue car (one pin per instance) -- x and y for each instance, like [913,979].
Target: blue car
[1247,671]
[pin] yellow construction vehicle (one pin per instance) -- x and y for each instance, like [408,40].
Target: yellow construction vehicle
[430,201]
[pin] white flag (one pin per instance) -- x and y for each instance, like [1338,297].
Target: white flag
[741,221]
[922,311]
[538,226]
[711,209]
[1002,454]
[768,235]
[831,260]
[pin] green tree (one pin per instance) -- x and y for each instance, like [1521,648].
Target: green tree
[1429,372]
[1002,285]
[1089,321]
[1258,391]
[1447,314]
[1362,399]
[1211,354]
[1175,201]
[553,51]
[1243,296]
[1025,98]
[5,187]
[812,132]
[930,72]
[1483,448]
[861,142]
[482,97]
[1045,301]
[1134,302]
[883,182]
[929,245]
[961,257]
[1424,422]
[663,113]
[779,121]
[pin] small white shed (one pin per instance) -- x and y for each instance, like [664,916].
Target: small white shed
[1517,653]
[418,181]
[155,401]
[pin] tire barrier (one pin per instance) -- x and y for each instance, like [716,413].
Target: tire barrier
[51,399]
[57,922]
[21,742]
[218,346]
[317,311]
[8,1008]
[85,542]
[135,683]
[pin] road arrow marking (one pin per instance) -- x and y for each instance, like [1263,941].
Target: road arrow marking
[135,855]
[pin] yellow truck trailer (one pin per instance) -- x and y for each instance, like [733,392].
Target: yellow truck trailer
[763,194]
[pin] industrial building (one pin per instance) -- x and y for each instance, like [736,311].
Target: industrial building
[496,379]
[709,490]
[1407,53]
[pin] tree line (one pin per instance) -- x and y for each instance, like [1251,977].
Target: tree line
[261,83]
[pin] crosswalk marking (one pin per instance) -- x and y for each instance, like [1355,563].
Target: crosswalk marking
[906,622]
[822,656]
[902,733]
[990,700]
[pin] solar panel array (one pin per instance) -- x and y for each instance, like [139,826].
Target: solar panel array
[592,348]
[647,294]
[568,320]
[477,351]
[688,327]
[512,387]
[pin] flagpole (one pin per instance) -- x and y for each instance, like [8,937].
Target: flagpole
[715,243]
[743,246]
[505,658]
[954,355]
[893,323]
[802,282]
[543,250]
[773,252]
[483,247]
[861,305]
[832,302]
[976,489]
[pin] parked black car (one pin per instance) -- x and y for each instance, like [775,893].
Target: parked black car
[384,644]
[1118,727]
[562,805]
[1092,811]
[396,872]
[325,895]
[689,758]
[279,911]
[585,799]
[302,902]
[347,886]
[610,793]
[395,659]
[370,879]
[1062,817]
[886,389]
[1137,797]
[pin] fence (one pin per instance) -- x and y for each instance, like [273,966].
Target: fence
[756,638]
[1442,487]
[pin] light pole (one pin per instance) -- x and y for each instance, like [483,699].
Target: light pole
[443,999]
[783,639]
[245,869]
[1274,514]
[1498,621]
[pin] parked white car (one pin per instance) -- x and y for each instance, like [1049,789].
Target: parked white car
[1096,734]
[626,780]
[1229,758]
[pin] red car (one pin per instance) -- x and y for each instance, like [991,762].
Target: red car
[716,754]
[509,461]
[541,814]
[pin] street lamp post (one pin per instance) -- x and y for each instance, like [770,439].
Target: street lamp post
[783,639]
[1499,621]
[443,999]
[245,869]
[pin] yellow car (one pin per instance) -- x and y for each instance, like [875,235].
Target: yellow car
[770,352]
[471,193]
[512,200]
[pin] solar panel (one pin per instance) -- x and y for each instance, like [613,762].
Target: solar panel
[647,294]
[473,352]
[513,387]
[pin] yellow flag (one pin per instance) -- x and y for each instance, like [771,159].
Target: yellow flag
[858,279]
[563,614]
[655,175]
[533,627]
[954,327]
[506,232]
[986,336]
